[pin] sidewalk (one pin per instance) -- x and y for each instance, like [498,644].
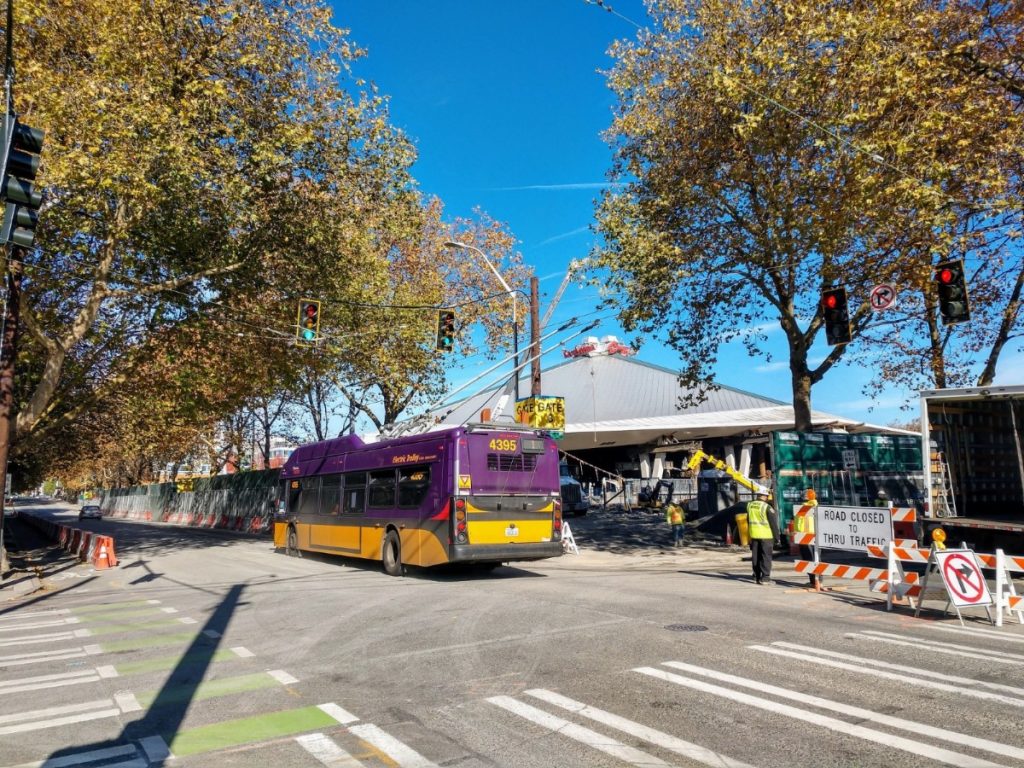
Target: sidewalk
[31,557]
[642,539]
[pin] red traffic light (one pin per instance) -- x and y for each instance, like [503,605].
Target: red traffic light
[946,276]
[311,310]
[831,301]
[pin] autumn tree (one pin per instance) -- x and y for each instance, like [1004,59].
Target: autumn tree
[768,151]
[208,162]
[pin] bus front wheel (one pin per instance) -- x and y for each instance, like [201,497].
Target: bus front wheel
[292,548]
[392,555]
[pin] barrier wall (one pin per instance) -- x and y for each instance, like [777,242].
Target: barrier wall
[241,502]
[87,546]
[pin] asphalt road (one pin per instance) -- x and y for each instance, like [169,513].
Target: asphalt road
[223,652]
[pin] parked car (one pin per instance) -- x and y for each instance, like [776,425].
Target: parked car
[90,510]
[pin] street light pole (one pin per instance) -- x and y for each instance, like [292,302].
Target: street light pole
[515,308]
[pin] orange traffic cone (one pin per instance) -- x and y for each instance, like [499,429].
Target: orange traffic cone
[728,535]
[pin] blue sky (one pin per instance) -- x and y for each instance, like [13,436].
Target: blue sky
[506,104]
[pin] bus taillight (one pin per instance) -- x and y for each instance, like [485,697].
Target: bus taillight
[556,523]
[461,535]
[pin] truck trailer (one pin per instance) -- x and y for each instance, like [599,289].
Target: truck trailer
[973,443]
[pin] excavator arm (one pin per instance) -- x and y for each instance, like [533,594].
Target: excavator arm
[700,457]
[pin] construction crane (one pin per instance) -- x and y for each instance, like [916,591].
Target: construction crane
[699,456]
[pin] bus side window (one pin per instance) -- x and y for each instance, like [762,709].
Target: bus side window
[382,488]
[330,495]
[310,498]
[413,484]
[354,493]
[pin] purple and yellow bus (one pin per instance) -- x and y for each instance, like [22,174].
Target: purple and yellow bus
[474,494]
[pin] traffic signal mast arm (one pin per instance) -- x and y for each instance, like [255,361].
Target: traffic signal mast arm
[699,457]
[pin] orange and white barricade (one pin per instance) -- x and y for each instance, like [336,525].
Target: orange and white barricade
[900,584]
[881,579]
[1007,599]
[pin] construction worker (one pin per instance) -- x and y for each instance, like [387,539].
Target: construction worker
[805,524]
[675,517]
[763,529]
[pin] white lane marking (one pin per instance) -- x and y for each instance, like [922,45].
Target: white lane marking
[403,755]
[92,650]
[921,729]
[106,671]
[52,637]
[909,679]
[937,646]
[915,671]
[341,715]
[40,625]
[993,633]
[156,749]
[83,633]
[168,609]
[282,677]
[58,721]
[153,602]
[187,620]
[211,633]
[89,677]
[586,736]
[687,749]
[36,614]
[82,757]
[127,702]
[889,740]
[245,653]
[37,714]
[41,656]
[327,751]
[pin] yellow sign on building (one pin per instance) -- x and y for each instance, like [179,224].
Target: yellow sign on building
[542,412]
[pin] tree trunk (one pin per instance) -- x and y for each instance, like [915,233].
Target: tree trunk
[801,397]
[1008,321]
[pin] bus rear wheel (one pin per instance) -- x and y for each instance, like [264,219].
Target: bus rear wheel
[392,555]
[292,547]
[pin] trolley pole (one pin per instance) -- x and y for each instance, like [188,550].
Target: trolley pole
[535,389]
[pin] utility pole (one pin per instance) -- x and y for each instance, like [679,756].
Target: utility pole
[534,336]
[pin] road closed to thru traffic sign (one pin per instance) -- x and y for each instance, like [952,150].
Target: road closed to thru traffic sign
[853,528]
[962,576]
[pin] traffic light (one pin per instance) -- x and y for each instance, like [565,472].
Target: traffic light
[21,147]
[836,314]
[952,288]
[308,328]
[446,330]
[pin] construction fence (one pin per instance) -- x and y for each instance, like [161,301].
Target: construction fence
[243,501]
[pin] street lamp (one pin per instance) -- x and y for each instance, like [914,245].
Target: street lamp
[515,307]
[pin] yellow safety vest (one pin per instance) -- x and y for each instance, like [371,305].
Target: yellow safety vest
[757,520]
[805,523]
[674,515]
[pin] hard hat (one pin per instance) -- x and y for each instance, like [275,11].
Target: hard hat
[810,495]
[882,494]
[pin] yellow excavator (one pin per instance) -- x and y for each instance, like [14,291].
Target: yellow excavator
[699,457]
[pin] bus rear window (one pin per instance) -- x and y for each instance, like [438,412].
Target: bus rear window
[511,462]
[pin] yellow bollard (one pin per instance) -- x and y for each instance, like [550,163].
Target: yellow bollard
[741,529]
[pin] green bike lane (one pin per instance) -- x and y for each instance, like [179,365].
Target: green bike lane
[172,687]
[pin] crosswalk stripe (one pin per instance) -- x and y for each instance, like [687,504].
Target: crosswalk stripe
[861,668]
[658,738]
[402,755]
[943,734]
[889,740]
[598,741]
[950,649]
[975,631]
[35,614]
[327,751]
[40,682]
[915,672]
[40,625]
